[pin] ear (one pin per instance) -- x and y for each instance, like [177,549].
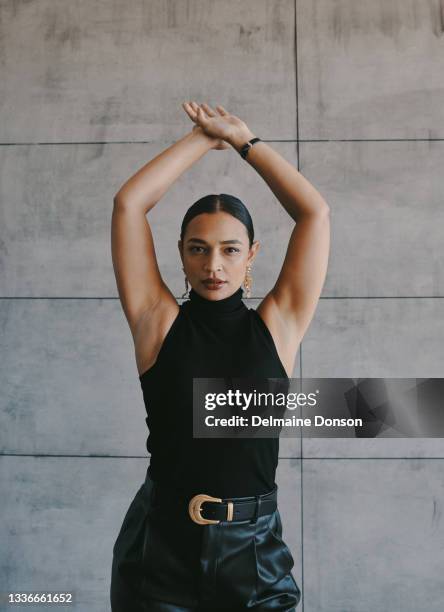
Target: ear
[253,251]
[179,246]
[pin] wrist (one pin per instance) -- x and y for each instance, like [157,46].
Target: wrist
[197,134]
[240,138]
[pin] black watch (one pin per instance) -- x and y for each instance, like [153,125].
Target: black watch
[247,146]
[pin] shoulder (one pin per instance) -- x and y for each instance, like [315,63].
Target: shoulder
[157,326]
[282,335]
[282,327]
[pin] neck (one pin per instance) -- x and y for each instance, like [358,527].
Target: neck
[226,305]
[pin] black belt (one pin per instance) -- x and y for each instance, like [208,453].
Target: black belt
[204,509]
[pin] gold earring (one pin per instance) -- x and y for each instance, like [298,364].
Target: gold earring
[187,290]
[248,281]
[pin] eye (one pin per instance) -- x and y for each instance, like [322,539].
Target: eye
[229,249]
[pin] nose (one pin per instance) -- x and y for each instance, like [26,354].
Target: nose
[212,263]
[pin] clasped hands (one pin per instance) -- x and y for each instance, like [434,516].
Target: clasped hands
[222,128]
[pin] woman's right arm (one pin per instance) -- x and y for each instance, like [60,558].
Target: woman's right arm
[139,283]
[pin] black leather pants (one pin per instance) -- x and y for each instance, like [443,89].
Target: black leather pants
[165,562]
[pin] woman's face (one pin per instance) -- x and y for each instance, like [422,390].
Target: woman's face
[216,246]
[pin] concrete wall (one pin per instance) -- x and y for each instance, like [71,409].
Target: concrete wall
[352,92]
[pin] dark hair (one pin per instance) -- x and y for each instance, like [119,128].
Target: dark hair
[220,202]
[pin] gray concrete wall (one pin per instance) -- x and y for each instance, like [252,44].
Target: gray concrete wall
[350,91]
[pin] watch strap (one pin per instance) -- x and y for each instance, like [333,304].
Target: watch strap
[247,146]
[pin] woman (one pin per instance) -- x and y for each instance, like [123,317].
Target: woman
[204,532]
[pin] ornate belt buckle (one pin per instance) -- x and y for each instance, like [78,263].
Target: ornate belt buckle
[194,509]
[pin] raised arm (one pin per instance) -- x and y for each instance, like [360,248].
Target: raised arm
[295,295]
[140,285]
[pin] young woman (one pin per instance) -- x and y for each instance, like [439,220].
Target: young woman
[204,532]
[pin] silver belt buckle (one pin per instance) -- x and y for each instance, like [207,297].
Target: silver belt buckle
[194,509]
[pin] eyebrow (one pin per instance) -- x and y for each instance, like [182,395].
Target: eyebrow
[200,241]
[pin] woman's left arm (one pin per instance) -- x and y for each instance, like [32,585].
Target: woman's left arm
[299,285]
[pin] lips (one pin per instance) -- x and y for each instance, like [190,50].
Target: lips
[213,282]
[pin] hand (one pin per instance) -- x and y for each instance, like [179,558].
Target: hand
[216,143]
[221,127]
[193,110]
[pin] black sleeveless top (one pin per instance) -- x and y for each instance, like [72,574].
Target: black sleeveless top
[208,339]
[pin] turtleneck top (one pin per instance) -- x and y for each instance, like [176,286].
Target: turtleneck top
[208,339]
